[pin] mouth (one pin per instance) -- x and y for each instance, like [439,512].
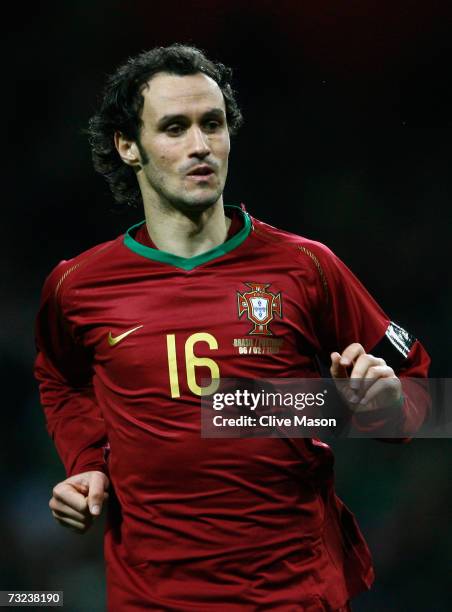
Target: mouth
[201,173]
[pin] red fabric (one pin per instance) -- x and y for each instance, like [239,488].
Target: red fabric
[205,524]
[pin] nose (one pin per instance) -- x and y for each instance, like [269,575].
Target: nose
[199,143]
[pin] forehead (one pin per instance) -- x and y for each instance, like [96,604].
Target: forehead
[173,94]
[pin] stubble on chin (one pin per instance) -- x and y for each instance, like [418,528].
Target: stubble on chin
[186,202]
[187,199]
[176,195]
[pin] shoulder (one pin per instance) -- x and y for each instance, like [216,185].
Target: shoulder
[307,251]
[320,266]
[68,270]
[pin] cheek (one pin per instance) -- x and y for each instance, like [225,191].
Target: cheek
[169,159]
[228,146]
[223,148]
[160,163]
[159,153]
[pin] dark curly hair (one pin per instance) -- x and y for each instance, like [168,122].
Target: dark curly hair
[122,103]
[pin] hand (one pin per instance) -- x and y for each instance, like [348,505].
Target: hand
[365,382]
[78,499]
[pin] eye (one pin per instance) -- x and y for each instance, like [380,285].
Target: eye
[174,129]
[212,125]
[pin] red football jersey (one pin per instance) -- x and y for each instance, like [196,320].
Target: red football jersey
[126,335]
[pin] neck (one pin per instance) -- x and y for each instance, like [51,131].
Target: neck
[186,235]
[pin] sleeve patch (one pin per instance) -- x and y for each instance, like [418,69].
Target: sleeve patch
[399,338]
[394,346]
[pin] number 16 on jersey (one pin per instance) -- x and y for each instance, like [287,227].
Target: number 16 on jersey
[191,363]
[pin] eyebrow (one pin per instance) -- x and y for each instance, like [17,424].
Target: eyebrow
[212,112]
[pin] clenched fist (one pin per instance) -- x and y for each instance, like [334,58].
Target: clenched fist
[78,499]
[365,382]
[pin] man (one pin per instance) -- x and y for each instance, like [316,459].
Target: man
[128,330]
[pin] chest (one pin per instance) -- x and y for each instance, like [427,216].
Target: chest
[172,334]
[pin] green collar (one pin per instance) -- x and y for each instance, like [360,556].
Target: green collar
[188,263]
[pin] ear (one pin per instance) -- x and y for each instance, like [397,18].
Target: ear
[127,149]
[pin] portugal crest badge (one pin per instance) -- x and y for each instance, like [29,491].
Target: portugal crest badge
[260,306]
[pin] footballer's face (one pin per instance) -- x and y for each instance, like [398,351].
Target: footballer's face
[184,141]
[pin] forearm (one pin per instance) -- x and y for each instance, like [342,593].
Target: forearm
[74,421]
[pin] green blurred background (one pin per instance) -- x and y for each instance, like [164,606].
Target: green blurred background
[347,140]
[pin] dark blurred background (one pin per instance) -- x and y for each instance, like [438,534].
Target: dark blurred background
[347,140]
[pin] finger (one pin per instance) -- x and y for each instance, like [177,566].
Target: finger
[384,393]
[70,523]
[361,369]
[341,380]
[66,510]
[379,371]
[96,494]
[351,354]
[369,376]
[80,482]
[61,516]
[65,493]
[336,369]
[363,363]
